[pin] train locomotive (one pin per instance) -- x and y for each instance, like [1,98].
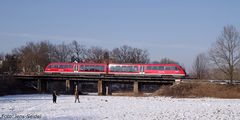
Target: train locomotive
[160,70]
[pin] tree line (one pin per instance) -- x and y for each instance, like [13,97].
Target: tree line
[35,56]
[221,61]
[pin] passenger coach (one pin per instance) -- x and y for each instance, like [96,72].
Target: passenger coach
[73,68]
[161,70]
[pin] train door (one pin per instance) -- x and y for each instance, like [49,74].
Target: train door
[142,70]
[75,68]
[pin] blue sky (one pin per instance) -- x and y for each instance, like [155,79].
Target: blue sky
[176,29]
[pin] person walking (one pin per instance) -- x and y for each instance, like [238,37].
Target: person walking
[76,93]
[54,97]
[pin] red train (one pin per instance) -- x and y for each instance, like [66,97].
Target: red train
[162,70]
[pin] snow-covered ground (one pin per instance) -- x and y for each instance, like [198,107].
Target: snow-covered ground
[117,108]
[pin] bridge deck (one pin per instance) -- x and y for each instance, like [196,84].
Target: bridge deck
[103,81]
[95,78]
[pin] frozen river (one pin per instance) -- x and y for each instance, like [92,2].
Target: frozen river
[117,108]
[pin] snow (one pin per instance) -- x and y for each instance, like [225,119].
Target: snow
[40,106]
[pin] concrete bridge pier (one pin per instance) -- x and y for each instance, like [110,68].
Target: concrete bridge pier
[108,88]
[104,88]
[39,85]
[70,87]
[100,87]
[42,86]
[135,87]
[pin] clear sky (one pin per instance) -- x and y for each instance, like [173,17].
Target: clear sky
[176,29]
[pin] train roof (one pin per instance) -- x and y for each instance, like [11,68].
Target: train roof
[62,63]
[76,63]
[114,64]
[164,64]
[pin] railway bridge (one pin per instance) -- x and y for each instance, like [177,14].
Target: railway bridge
[104,82]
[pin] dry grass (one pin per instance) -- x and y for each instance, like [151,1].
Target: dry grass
[192,90]
[121,93]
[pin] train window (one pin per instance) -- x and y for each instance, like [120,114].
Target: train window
[171,68]
[160,67]
[65,66]
[141,69]
[112,69]
[176,68]
[97,68]
[148,67]
[86,67]
[154,67]
[50,66]
[91,68]
[131,69]
[135,69]
[101,68]
[60,66]
[55,66]
[82,68]
[118,69]
[70,66]
[124,69]
[167,68]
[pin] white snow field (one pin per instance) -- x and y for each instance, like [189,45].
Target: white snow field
[40,106]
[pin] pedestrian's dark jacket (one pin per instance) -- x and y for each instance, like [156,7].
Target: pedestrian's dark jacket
[54,97]
[76,94]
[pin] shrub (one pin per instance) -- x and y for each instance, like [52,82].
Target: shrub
[190,90]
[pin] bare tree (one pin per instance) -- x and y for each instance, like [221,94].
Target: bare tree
[139,56]
[34,56]
[121,54]
[78,51]
[96,54]
[200,66]
[168,61]
[155,62]
[127,54]
[1,56]
[11,63]
[225,53]
[51,52]
[1,59]
[61,53]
